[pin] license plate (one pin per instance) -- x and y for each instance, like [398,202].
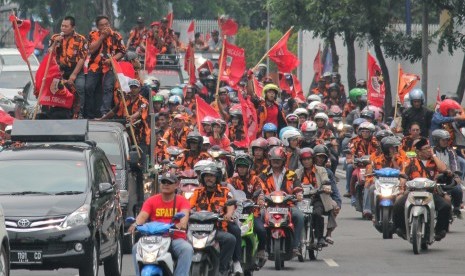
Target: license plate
[277,210]
[305,207]
[388,180]
[26,257]
[201,227]
[152,239]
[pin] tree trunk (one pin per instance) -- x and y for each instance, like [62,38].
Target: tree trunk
[350,42]
[388,110]
[332,44]
[461,86]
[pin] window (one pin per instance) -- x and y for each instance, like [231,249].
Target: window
[101,174]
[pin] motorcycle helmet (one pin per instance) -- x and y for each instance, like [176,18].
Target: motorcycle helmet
[290,134]
[236,111]
[366,126]
[301,111]
[311,107]
[175,100]
[334,111]
[355,93]
[380,134]
[194,137]
[177,91]
[211,170]
[416,94]
[292,119]
[367,114]
[260,142]
[439,134]
[277,153]
[271,87]
[321,116]
[333,86]
[357,122]
[221,123]
[204,73]
[388,142]
[407,103]
[243,160]
[269,127]
[158,99]
[305,153]
[309,129]
[285,129]
[313,98]
[361,84]
[321,150]
[320,107]
[274,142]
[447,105]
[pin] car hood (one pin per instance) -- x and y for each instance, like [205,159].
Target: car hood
[41,205]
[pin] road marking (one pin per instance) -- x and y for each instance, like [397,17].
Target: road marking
[330,262]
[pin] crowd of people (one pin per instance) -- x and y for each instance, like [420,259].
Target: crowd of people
[295,143]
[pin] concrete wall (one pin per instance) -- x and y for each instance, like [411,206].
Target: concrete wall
[443,69]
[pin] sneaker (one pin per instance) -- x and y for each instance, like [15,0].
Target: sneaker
[322,242]
[440,235]
[297,252]
[261,258]
[237,268]
[348,195]
[353,201]
[458,213]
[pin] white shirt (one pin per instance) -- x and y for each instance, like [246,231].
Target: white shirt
[278,179]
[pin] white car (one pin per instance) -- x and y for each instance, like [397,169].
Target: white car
[4,247]
[14,73]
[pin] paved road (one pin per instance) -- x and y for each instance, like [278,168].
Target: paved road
[358,250]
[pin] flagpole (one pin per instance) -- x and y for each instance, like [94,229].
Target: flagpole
[131,127]
[21,44]
[42,85]
[397,94]
[220,69]
[368,77]
[269,50]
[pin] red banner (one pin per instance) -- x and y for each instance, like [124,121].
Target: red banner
[54,92]
[24,45]
[39,35]
[207,64]
[228,26]
[317,66]
[189,64]
[5,118]
[257,87]
[284,59]
[376,89]
[233,64]
[295,89]
[151,53]
[204,110]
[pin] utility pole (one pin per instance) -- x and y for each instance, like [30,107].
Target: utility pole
[424,50]
[268,33]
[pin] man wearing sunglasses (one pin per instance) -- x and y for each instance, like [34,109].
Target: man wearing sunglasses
[162,207]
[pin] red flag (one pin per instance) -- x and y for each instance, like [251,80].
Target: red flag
[233,64]
[204,110]
[228,26]
[24,45]
[375,85]
[295,90]
[253,119]
[317,66]
[170,18]
[151,53]
[189,64]
[191,32]
[39,34]
[246,142]
[207,64]
[406,83]
[257,87]
[124,73]
[54,92]
[5,118]
[284,59]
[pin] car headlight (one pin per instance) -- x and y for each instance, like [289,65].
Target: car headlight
[79,217]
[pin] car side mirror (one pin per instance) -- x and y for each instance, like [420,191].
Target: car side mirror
[105,188]
[18,99]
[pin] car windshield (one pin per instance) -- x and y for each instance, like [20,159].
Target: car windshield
[168,78]
[14,79]
[108,142]
[13,60]
[42,176]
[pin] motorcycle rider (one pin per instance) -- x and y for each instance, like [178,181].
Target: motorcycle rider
[449,157]
[291,139]
[211,196]
[269,130]
[417,113]
[409,140]
[358,101]
[325,135]
[258,149]
[162,207]
[277,178]
[249,184]
[311,174]
[194,153]
[426,164]
[176,135]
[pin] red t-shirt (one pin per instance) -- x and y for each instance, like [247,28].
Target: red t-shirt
[272,114]
[162,211]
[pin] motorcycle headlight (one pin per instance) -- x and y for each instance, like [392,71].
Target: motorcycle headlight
[277,199]
[79,217]
[386,191]
[149,257]
[245,228]
[199,242]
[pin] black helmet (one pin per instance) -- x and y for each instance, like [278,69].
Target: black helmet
[383,133]
[194,137]
[367,114]
[203,73]
[210,78]
[320,150]
[333,86]
[243,160]
[388,142]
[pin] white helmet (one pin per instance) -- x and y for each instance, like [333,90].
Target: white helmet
[311,106]
[367,126]
[198,167]
[313,98]
[165,93]
[206,140]
[290,134]
[301,111]
[175,100]
[407,103]
[321,115]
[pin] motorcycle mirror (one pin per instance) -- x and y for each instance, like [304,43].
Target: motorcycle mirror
[179,215]
[130,220]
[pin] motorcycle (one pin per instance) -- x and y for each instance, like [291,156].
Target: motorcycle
[360,171]
[201,233]
[306,207]
[420,213]
[386,191]
[245,213]
[279,226]
[153,257]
